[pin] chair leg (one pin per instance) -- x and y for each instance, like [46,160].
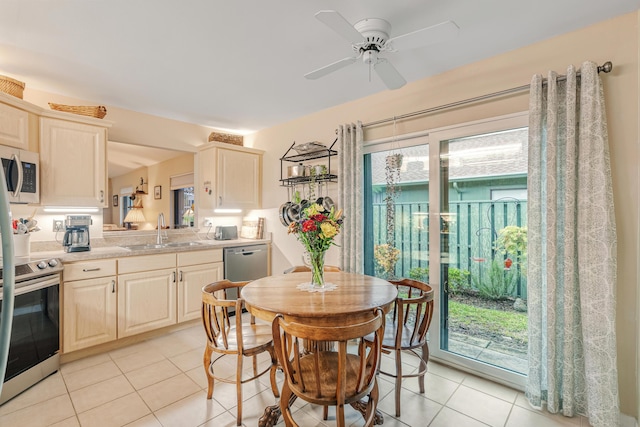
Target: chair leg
[340,415]
[325,413]
[285,409]
[372,404]
[255,365]
[425,359]
[272,374]
[398,380]
[239,388]
[207,369]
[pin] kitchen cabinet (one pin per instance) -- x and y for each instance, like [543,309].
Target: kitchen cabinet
[108,299]
[73,163]
[146,293]
[14,127]
[230,178]
[195,270]
[89,303]
[18,123]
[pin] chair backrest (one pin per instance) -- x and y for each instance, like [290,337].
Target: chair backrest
[322,375]
[216,317]
[305,269]
[412,312]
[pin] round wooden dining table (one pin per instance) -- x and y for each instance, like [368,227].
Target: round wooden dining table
[352,301]
[354,298]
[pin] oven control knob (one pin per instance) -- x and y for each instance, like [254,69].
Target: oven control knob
[42,265]
[53,263]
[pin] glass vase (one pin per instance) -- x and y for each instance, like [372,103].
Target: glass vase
[317,268]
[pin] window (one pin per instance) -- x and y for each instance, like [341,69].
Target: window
[182,200]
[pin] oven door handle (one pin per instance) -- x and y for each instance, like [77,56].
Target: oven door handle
[34,285]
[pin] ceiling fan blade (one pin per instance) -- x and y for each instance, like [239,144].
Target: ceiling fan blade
[320,72]
[438,33]
[340,25]
[388,74]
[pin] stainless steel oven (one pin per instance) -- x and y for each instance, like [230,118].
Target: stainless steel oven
[35,334]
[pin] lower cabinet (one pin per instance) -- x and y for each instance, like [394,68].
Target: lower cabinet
[148,292]
[194,273]
[89,304]
[146,301]
[89,313]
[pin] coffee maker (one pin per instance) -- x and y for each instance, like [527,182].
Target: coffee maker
[76,238]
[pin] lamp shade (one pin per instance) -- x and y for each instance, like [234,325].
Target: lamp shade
[134,215]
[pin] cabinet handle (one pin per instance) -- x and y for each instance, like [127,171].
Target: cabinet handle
[174,277]
[180,279]
[91,269]
[113,286]
[219,200]
[101,196]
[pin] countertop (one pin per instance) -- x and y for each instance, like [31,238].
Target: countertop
[119,252]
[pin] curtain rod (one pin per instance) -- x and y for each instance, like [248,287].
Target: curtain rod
[604,68]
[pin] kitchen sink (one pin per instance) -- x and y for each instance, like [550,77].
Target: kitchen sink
[142,247]
[161,246]
[182,244]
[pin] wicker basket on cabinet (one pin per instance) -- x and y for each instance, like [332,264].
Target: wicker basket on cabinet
[98,111]
[11,86]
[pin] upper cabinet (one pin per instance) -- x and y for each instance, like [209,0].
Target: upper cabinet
[230,178]
[14,127]
[18,123]
[73,163]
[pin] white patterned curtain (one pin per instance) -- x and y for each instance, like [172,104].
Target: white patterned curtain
[350,198]
[572,250]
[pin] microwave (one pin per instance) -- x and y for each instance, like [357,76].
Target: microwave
[22,174]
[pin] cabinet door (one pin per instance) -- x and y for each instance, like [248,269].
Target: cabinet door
[191,279]
[206,178]
[89,313]
[14,127]
[73,163]
[239,179]
[146,301]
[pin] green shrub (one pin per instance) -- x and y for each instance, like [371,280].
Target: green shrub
[419,273]
[500,283]
[458,280]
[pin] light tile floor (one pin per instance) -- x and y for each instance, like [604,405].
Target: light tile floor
[161,383]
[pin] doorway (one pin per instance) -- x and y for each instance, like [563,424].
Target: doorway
[459,223]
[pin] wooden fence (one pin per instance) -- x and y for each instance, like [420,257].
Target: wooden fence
[468,233]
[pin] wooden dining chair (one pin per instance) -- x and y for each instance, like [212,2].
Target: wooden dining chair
[305,269]
[232,336]
[328,377]
[406,330]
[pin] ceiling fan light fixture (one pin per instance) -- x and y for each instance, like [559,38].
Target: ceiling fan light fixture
[370,56]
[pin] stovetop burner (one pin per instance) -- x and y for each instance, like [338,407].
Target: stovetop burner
[33,269]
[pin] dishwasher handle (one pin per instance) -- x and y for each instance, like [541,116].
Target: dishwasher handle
[246,253]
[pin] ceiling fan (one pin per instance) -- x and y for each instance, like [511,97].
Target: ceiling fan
[369,37]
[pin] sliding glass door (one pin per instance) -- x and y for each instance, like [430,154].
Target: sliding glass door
[453,213]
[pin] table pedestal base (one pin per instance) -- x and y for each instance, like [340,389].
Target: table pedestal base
[272,413]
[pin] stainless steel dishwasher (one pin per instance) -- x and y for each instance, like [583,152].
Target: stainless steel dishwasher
[242,263]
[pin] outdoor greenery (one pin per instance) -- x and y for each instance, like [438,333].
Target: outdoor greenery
[458,280]
[472,319]
[512,242]
[498,282]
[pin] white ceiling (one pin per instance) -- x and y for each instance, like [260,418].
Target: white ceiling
[239,65]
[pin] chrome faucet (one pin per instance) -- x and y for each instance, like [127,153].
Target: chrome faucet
[161,225]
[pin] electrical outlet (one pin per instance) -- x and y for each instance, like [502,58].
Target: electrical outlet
[58,225]
[207,222]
